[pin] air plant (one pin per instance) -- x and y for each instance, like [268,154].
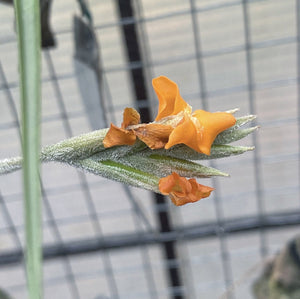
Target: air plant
[159,156]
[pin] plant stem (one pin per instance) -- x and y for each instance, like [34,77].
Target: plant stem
[29,42]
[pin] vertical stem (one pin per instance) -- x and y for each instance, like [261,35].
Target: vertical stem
[29,41]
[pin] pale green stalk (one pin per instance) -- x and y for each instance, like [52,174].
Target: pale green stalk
[29,41]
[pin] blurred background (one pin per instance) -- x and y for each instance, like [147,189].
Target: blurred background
[104,240]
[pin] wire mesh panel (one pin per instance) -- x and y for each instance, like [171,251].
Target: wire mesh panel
[104,240]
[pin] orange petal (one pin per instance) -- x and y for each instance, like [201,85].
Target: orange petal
[199,191]
[179,201]
[170,101]
[154,135]
[130,117]
[181,190]
[213,124]
[187,133]
[118,136]
[174,184]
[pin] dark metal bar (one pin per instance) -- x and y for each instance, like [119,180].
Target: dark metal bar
[197,231]
[126,11]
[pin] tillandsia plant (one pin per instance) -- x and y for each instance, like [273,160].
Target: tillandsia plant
[159,156]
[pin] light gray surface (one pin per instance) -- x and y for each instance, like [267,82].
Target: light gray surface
[168,32]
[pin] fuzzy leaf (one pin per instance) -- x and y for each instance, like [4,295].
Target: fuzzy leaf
[10,165]
[217,151]
[232,135]
[243,120]
[79,147]
[119,172]
[160,165]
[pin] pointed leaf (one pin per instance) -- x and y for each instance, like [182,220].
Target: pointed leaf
[119,172]
[81,147]
[243,120]
[217,151]
[233,134]
[230,136]
[160,165]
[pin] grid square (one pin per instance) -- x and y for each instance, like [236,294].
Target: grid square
[275,63]
[272,20]
[225,71]
[164,42]
[215,24]
[156,9]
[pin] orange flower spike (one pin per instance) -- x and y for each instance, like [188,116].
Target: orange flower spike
[181,190]
[212,124]
[170,100]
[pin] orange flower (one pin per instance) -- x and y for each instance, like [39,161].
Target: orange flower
[197,130]
[154,135]
[175,123]
[181,190]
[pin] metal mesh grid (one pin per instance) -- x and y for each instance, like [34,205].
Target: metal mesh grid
[223,54]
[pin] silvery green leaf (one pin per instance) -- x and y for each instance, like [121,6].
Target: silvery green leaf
[222,151]
[10,165]
[160,165]
[116,152]
[113,153]
[119,172]
[184,152]
[79,147]
[232,135]
[243,120]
